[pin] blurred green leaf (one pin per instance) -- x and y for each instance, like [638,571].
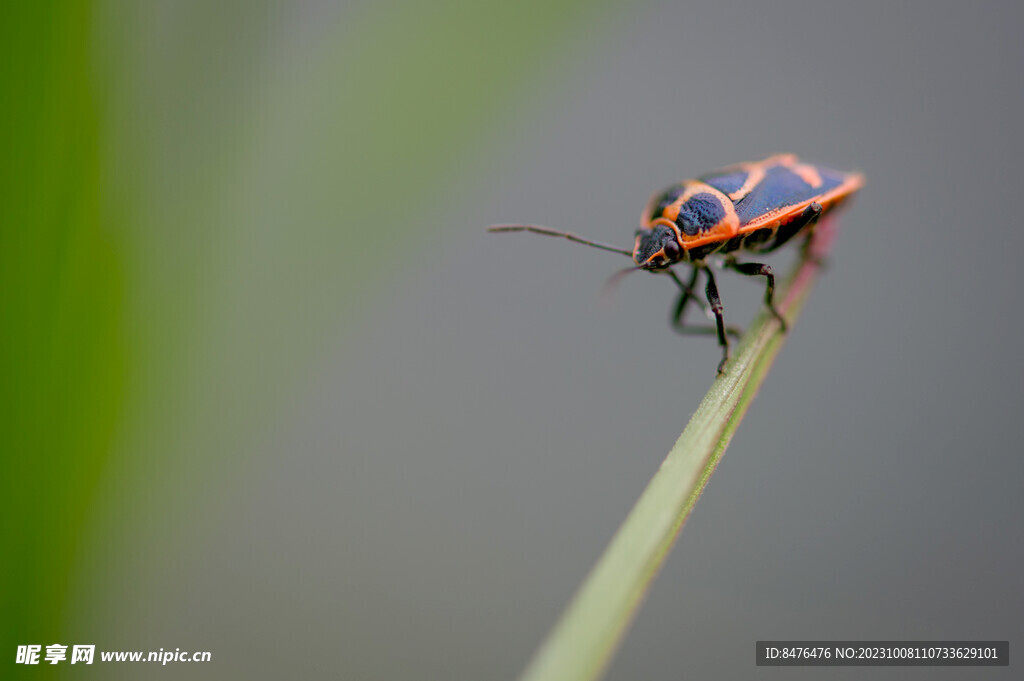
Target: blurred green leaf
[61,365]
[195,198]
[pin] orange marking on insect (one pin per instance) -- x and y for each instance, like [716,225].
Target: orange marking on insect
[756,171]
[755,174]
[726,228]
[665,222]
[775,218]
[784,160]
[808,174]
[671,211]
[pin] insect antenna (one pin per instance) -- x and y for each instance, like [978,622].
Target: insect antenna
[537,229]
[613,282]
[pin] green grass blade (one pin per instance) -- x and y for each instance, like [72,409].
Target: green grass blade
[583,641]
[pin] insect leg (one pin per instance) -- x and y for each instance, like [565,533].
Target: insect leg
[815,211]
[756,269]
[801,224]
[716,307]
[686,296]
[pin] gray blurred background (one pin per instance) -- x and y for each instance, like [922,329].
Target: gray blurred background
[422,493]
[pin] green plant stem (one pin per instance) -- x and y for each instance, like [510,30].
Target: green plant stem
[589,631]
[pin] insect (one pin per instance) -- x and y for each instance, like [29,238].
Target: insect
[755,206]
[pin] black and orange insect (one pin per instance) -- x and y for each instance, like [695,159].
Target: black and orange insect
[756,207]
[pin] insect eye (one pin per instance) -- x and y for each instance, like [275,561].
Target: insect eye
[672,250]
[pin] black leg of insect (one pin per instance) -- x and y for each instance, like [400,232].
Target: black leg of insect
[756,269]
[686,296]
[815,211]
[716,306]
[807,218]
